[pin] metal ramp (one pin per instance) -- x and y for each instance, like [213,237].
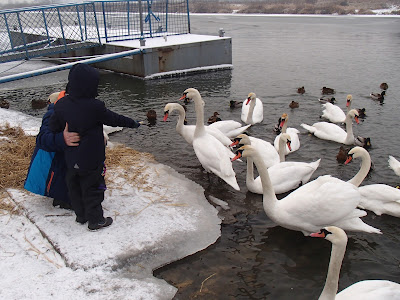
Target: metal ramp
[47,30]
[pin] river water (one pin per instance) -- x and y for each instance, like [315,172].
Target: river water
[272,56]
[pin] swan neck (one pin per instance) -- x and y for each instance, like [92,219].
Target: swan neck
[269,197]
[199,107]
[181,118]
[251,110]
[332,278]
[349,129]
[284,128]
[281,150]
[250,169]
[364,169]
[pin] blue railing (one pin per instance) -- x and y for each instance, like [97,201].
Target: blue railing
[41,31]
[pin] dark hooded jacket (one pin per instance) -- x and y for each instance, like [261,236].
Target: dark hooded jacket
[85,115]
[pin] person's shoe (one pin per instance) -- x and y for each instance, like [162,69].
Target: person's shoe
[65,205]
[80,220]
[96,226]
[56,202]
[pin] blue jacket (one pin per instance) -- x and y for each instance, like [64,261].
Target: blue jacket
[46,173]
[85,115]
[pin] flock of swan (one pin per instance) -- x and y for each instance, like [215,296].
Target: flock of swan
[324,207]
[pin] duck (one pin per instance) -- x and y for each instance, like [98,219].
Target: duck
[361,113]
[235,104]
[327,91]
[39,104]
[378,97]
[332,132]
[364,142]
[334,113]
[285,176]
[252,110]
[277,126]
[342,154]
[384,86]
[4,104]
[378,198]
[151,116]
[301,90]
[321,202]
[366,289]
[210,152]
[293,132]
[214,118]
[187,131]
[294,104]
[265,149]
[327,99]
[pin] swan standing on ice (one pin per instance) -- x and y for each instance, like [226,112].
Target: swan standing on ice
[187,131]
[252,110]
[379,198]
[332,132]
[362,290]
[285,176]
[209,151]
[334,113]
[293,132]
[322,202]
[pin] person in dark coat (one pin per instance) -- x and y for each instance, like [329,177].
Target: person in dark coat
[47,169]
[85,163]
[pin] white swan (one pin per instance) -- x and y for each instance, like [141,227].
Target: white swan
[332,132]
[324,201]
[187,131]
[379,198]
[363,290]
[285,176]
[334,113]
[252,113]
[267,152]
[394,164]
[293,132]
[209,151]
[230,128]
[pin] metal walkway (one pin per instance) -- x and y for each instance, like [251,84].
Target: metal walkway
[47,30]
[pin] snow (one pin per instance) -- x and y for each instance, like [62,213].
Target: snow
[45,254]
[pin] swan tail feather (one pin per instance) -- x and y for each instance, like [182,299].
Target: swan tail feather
[308,128]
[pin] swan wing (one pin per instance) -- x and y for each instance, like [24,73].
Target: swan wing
[258,113]
[268,152]
[371,290]
[219,135]
[225,125]
[328,131]
[394,164]
[333,113]
[214,158]
[381,199]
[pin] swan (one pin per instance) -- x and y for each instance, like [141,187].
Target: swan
[334,113]
[293,132]
[394,164]
[366,289]
[230,128]
[187,131]
[209,151]
[332,132]
[322,202]
[252,113]
[268,152]
[285,176]
[379,198]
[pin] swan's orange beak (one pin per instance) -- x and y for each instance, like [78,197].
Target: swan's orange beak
[349,159]
[348,103]
[288,143]
[282,123]
[357,121]
[183,97]
[318,234]
[238,155]
[248,100]
[235,142]
[165,116]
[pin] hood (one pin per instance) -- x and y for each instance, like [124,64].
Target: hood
[83,81]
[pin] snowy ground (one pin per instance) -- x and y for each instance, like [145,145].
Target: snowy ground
[45,254]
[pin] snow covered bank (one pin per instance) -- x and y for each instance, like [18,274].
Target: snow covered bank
[45,254]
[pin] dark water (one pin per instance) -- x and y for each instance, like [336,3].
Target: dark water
[272,56]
